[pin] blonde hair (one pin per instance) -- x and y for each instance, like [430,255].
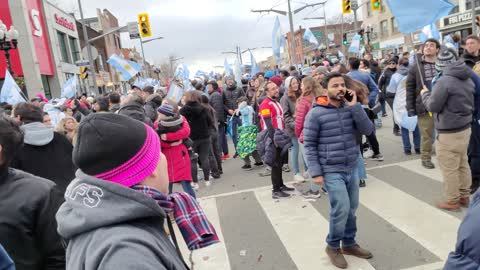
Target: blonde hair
[60,128]
[292,94]
[311,87]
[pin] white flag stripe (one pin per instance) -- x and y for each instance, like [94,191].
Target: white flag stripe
[211,257]
[302,230]
[429,226]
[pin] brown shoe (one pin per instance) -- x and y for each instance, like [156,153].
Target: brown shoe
[336,257]
[357,251]
[448,206]
[465,202]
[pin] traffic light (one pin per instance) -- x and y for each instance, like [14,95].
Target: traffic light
[83,73]
[144,24]
[376,4]
[361,34]
[345,41]
[346,6]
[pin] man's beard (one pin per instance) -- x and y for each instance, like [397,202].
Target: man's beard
[338,97]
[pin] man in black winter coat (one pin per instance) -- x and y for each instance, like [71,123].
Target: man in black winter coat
[45,153]
[28,230]
[230,97]
[133,108]
[152,102]
[383,83]
[216,100]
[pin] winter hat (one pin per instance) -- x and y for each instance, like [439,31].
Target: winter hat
[288,81]
[276,80]
[229,77]
[446,57]
[116,148]
[166,109]
[269,74]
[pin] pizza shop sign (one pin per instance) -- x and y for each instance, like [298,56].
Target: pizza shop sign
[64,22]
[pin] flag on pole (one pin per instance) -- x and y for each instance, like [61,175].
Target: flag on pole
[254,67]
[127,68]
[355,45]
[237,72]
[412,15]
[10,92]
[175,92]
[429,31]
[69,88]
[276,39]
[228,70]
[308,36]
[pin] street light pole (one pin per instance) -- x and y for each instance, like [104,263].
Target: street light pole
[292,34]
[89,51]
[474,25]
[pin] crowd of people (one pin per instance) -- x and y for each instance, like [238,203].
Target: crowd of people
[116,158]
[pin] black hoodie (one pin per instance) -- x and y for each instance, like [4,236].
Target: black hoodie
[199,120]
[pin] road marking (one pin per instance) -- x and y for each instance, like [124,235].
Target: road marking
[302,230]
[416,166]
[269,187]
[432,266]
[211,257]
[431,227]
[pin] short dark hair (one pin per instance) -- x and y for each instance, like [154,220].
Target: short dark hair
[403,62]
[330,76]
[149,89]
[473,37]
[432,40]
[114,98]
[260,73]
[28,113]
[365,62]
[11,138]
[204,99]
[405,54]
[214,84]
[354,63]
[284,72]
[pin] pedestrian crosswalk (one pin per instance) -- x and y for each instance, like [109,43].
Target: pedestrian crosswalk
[397,223]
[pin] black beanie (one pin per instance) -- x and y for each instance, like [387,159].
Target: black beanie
[111,145]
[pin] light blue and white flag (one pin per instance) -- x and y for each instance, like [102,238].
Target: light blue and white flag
[412,15]
[254,66]
[450,43]
[237,72]
[175,92]
[277,39]
[127,68]
[228,69]
[140,82]
[355,45]
[308,36]
[429,31]
[10,92]
[69,88]
[183,74]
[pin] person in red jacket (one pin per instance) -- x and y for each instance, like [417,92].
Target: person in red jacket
[310,89]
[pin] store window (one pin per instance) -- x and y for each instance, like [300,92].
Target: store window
[63,46]
[46,87]
[394,26]
[384,28]
[469,4]
[74,48]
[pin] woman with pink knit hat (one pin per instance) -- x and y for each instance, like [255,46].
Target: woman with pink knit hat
[114,211]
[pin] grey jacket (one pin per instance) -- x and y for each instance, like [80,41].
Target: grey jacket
[288,106]
[113,227]
[451,99]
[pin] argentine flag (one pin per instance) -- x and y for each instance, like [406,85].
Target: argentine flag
[254,67]
[226,66]
[10,92]
[308,36]
[429,31]
[175,92]
[355,45]
[127,68]
[69,88]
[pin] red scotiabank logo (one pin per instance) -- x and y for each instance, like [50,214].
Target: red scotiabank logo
[64,22]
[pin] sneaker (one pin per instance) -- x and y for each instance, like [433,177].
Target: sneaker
[236,155]
[428,164]
[299,178]
[449,206]
[208,183]
[417,151]
[368,153]
[377,157]
[195,186]
[357,251]
[312,194]
[279,194]
[266,172]
[336,257]
[247,167]
[408,152]
[216,175]
[285,188]
[362,183]
[226,157]
[286,168]
[258,163]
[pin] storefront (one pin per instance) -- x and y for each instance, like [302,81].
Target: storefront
[459,23]
[395,45]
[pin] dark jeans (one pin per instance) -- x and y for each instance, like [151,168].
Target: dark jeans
[222,137]
[194,165]
[236,122]
[255,156]
[277,180]
[202,148]
[474,156]
[187,187]
[381,99]
[215,156]
[390,98]
[373,142]
[407,147]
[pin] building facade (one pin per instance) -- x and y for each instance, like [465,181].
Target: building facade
[459,22]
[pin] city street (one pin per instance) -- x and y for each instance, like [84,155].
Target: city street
[397,219]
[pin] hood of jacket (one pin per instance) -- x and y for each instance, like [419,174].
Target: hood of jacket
[322,101]
[459,70]
[467,57]
[37,134]
[194,107]
[91,203]
[402,70]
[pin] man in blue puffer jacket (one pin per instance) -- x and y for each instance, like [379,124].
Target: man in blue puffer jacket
[467,252]
[331,154]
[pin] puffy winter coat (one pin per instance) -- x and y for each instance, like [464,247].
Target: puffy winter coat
[135,111]
[329,137]
[216,101]
[304,104]
[198,119]
[177,156]
[267,147]
[288,107]
[230,97]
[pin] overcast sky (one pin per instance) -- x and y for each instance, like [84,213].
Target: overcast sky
[199,30]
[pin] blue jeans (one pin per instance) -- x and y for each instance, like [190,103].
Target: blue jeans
[407,147]
[236,122]
[222,138]
[295,152]
[343,194]
[313,187]
[360,167]
[187,187]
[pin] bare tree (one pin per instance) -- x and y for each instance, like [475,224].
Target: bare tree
[168,66]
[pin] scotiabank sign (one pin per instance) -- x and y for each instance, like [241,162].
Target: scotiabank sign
[36,20]
[64,22]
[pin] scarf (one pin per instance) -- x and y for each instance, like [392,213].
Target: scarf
[196,230]
[171,124]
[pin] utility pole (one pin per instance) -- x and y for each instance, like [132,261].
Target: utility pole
[89,51]
[474,25]
[355,19]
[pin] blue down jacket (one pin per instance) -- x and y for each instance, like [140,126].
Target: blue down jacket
[329,137]
[267,147]
[467,252]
